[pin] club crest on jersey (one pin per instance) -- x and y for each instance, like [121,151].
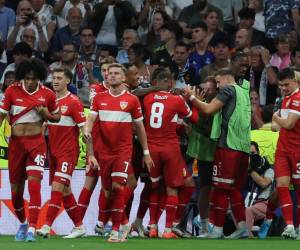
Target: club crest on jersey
[123,105]
[64,108]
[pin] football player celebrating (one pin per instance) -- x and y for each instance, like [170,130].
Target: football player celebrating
[116,109]
[28,104]
[63,153]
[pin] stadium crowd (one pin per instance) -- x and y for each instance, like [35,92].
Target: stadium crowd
[185,96]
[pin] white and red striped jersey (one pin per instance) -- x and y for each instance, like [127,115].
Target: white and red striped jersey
[63,136]
[96,88]
[20,104]
[290,138]
[116,114]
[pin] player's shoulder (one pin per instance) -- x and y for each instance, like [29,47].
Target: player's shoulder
[14,86]
[47,90]
[73,98]
[131,96]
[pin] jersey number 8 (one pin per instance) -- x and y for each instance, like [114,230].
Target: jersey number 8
[157,110]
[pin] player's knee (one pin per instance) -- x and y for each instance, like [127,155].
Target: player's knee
[90,182]
[117,185]
[132,183]
[34,178]
[172,191]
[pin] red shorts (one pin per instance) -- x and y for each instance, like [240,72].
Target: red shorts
[137,163]
[61,168]
[170,166]
[26,157]
[115,168]
[288,164]
[230,169]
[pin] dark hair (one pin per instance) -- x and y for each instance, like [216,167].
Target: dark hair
[286,73]
[225,72]
[72,44]
[212,80]
[66,72]
[86,28]
[140,49]
[246,13]
[238,55]
[210,10]
[267,113]
[219,37]
[183,44]
[295,50]
[255,144]
[160,74]
[202,25]
[22,48]
[174,27]
[164,15]
[31,65]
[128,65]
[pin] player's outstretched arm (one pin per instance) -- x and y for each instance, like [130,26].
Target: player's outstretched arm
[287,123]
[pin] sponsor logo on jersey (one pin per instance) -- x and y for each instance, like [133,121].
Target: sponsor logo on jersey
[123,105]
[19,100]
[164,97]
[64,108]
[103,104]
[42,99]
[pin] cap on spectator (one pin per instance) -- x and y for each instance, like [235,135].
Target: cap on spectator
[218,38]
[246,13]
[174,27]
[22,48]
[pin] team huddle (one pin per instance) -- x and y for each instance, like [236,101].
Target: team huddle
[127,138]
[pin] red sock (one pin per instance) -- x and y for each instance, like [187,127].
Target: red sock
[153,206]
[286,204]
[104,211]
[161,205]
[128,193]
[271,207]
[184,197]
[237,205]
[144,201]
[84,201]
[171,208]
[54,206]
[211,212]
[220,206]
[72,209]
[298,207]
[117,207]
[34,189]
[18,203]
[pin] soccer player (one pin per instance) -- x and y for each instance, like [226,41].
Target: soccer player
[231,127]
[287,156]
[161,109]
[63,153]
[116,110]
[28,104]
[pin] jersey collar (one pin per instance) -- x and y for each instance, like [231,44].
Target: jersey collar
[37,88]
[68,93]
[118,94]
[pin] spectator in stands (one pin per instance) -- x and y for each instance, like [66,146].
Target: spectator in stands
[259,22]
[67,34]
[242,40]
[28,36]
[211,18]
[8,20]
[88,49]
[178,5]
[295,58]
[263,77]
[46,17]
[256,110]
[194,13]
[62,7]
[129,37]
[240,67]
[170,33]
[3,57]
[201,56]
[20,52]
[69,59]
[261,177]
[281,17]
[26,18]
[281,59]
[153,37]
[109,20]
[9,78]
[219,45]
[247,19]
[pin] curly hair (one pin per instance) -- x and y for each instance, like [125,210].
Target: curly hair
[31,65]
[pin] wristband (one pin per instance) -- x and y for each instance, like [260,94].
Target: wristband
[192,97]
[146,152]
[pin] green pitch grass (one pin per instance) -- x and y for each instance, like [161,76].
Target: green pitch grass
[93,243]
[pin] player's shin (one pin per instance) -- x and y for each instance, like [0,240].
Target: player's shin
[34,189]
[117,206]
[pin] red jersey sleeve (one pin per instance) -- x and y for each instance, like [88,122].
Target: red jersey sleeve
[94,105]
[295,104]
[6,101]
[78,113]
[136,110]
[52,103]
[183,108]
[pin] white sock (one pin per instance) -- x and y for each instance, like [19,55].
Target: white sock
[204,223]
[31,230]
[241,224]
[218,230]
[100,224]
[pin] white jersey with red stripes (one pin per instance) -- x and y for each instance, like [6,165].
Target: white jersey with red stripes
[63,136]
[20,105]
[116,114]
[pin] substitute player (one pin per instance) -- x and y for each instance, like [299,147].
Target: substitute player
[231,127]
[63,153]
[161,109]
[287,156]
[116,109]
[28,104]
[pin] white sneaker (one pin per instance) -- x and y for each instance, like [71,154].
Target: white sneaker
[289,232]
[125,230]
[214,234]
[44,231]
[202,234]
[240,233]
[114,237]
[77,232]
